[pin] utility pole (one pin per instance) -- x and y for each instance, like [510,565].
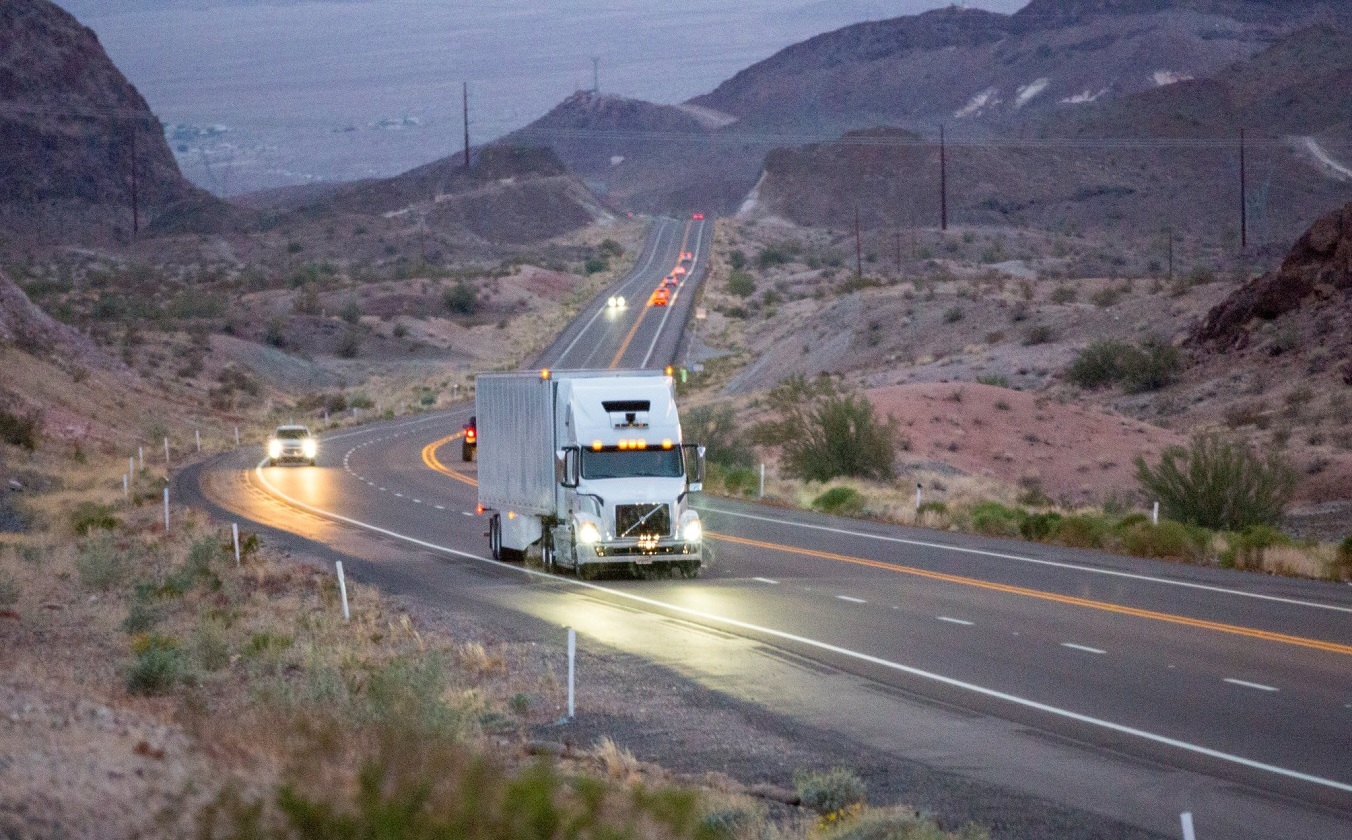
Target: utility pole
[858,247]
[464,98]
[596,75]
[1243,199]
[943,181]
[135,196]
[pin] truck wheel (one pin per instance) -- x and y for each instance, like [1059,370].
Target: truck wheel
[495,538]
[690,569]
[547,558]
[466,452]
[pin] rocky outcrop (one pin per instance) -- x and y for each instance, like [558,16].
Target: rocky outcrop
[82,158]
[1316,272]
[35,332]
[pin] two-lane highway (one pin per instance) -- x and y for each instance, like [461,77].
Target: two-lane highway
[1134,689]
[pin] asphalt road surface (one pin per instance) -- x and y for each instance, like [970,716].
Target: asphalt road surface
[1133,689]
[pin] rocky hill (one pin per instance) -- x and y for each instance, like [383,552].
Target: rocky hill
[985,76]
[82,158]
[1161,158]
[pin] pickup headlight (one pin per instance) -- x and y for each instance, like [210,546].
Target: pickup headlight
[309,447]
[692,531]
[274,448]
[588,534]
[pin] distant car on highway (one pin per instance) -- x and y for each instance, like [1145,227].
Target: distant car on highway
[292,444]
[616,302]
[661,297]
[469,445]
[699,217]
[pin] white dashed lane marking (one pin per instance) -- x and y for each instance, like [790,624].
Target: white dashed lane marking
[767,580]
[1254,685]
[961,621]
[1084,648]
[852,600]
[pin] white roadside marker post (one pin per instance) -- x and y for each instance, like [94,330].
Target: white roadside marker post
[237,436]
[917,497]
[198,433]
[131,466]
[166,450]
[1186,819]
[342,589]
[1155,515]
[762,481]
[234,536]
[141,455]
[125,493]
[166,510]
[572,670]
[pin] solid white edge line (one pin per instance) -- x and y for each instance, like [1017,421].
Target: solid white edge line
[961,621]
[767,580]
[1084,648]
[1247,684]
[840,651]
[1034,560]
[851,599]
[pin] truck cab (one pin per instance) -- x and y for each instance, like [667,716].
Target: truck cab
[617,492]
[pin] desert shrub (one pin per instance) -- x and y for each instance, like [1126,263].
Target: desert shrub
[21,430]
[210,648]
[1150,367]
[100,565]
[1245,550]
[267,645]
[735,480]
[772,255]
[461,299]
[1063,294]
[143,615]
[732,823]
[275,333]
[1039,334]
[845,501]
[829,791]
[1343,558]
[349,343]
[737,259]
[9,589]
[1219,484]
[351,312]
[741,284]
[1082,531]
[1098,365]
[936,508]
[1039,526]
[92,516]
[826,433]
[996,379]
[896,824]
[953,314]
[410,691]
[1168,539]
[595,265]
[157,666]
[716,428]
[995,520]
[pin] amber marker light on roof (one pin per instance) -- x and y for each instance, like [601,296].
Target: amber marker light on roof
[544,373]
[596,445]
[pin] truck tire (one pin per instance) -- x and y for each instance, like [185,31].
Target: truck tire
[495,538]
[547,557]
[466,452]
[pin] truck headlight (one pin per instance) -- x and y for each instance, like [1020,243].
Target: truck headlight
[693,531]
[588,533]
[310,447]
[274,448]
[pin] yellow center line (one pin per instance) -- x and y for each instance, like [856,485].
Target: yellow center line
[429,457]
[615,362]
[1317,644]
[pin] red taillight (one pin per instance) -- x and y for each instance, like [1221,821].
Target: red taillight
[469,435]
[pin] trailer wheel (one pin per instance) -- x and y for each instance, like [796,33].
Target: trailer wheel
[495,538]
[547,557]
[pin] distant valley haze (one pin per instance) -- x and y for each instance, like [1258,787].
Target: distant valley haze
[266,93]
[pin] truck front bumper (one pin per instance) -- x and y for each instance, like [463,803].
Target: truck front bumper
[642,552]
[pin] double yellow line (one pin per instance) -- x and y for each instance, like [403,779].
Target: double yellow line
[429,457]
[1202,624]
[647,305]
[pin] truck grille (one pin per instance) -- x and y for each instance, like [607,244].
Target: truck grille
[658,522]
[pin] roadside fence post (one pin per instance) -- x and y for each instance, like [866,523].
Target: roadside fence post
[198,433]
[342,589]
[234,536]
[1186,819]
[917,497]
[572,671]
[762,481]
[1155,515]
[166,510]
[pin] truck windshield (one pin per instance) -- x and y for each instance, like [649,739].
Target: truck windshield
[644,463]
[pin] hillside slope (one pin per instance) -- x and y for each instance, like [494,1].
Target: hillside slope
[82,158]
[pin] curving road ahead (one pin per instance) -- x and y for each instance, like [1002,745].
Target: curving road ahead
[1129,688]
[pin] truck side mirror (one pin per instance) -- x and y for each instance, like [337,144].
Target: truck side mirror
[565,467]
[694,467]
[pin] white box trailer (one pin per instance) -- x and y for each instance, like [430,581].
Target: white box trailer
[590,468]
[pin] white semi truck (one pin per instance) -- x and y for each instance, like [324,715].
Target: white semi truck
[590,468]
